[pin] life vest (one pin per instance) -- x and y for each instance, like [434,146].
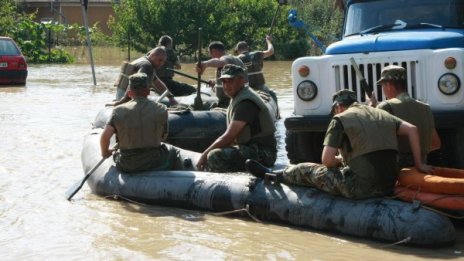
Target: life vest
[265,120]
[254,65]
[416,113]
[126,70]
[140,123]
[368,130]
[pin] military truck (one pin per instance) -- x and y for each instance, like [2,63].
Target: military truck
[424,36]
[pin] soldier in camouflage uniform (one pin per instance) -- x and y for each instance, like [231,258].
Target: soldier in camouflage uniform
[148,65]
[219,58]
[250,130]
[140,126]
[400,104]
[254,63]
[172,62]
[366,140]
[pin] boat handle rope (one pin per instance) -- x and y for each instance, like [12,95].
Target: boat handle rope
[403,241]
[421,204]
[246,209]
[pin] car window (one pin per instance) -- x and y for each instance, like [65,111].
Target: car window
[7,47]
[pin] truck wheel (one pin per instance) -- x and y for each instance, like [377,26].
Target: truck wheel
[451,154]
[304,146]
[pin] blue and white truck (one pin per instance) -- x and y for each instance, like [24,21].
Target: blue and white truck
[424,36]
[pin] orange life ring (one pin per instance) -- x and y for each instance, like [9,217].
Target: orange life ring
[442,201]
[441,181]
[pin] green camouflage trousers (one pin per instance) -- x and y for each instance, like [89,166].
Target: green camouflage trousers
[232,159]
[166,157]
[335,181]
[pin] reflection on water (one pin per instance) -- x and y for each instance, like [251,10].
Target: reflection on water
[42,129]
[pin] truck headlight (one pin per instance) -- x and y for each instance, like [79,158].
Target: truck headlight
[306,90]
[449,84]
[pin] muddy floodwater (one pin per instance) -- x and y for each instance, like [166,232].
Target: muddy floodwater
[42,126]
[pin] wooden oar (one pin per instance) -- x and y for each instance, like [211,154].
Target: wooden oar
[78,185]
[281,2]
[186,75]
[198,103]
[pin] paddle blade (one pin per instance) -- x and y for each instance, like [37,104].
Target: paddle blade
[73,190]
[76,187]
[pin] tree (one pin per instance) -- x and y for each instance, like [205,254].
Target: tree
[324,19]
[8,16]
[140,23]
[32,37]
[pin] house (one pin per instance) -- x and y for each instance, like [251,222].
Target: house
[70,11]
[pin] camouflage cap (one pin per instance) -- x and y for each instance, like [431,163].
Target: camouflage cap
[138,81]
[392,72]
[231,70]
[343,97]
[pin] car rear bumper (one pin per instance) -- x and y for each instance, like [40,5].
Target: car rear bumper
[13,76]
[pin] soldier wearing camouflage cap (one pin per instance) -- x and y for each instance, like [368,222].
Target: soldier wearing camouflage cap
[399,103]
[140,126]
[250,128]
[359,158]
[219,58]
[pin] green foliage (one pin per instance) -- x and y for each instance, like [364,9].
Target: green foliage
[8,16]
[34,39]
[323,19]
[295,49]
[140,23]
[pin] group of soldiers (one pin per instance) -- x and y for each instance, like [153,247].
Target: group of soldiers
[364,148]
[141,125]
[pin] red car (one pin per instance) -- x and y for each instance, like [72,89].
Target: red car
[13,66]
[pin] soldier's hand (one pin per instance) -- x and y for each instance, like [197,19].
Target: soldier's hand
[371,101]
[211,83]
[172,101]
[424,168]
[200,68]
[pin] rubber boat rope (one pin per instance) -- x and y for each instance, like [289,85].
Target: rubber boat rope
[443,213]
[404,241]
[118,197]
[421,204]
[246,209]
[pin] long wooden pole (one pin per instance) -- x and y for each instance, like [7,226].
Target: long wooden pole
[89,44]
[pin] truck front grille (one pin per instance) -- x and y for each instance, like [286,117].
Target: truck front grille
[345,77]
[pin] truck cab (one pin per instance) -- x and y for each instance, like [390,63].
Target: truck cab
[424,36]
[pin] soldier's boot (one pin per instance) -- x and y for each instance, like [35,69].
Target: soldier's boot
[259,171]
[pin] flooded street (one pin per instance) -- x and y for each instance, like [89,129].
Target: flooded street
[42,129]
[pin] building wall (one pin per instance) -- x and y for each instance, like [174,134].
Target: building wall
[70,11]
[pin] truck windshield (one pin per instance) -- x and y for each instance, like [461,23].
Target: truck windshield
[376,16]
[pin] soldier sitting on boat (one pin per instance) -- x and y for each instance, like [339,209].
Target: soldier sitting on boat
[140,126]
[400,104]
[250,130]
[147,64]
[172,62]
[366,139]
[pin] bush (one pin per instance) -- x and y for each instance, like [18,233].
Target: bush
[293,49]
